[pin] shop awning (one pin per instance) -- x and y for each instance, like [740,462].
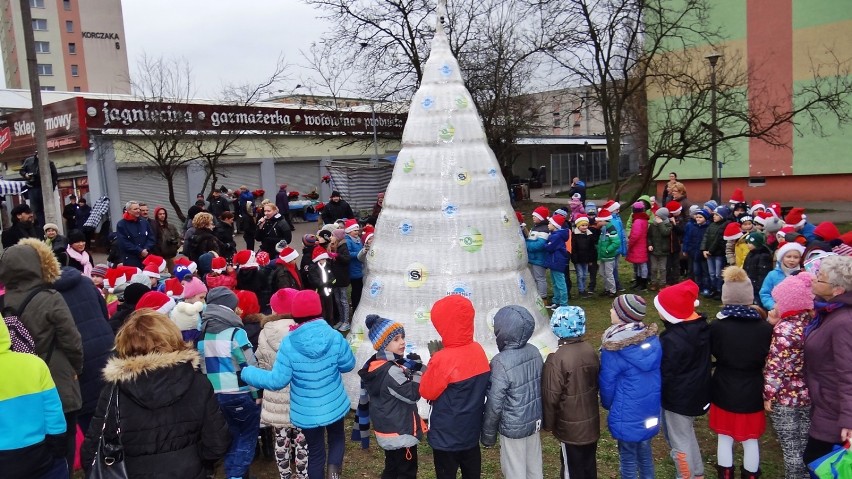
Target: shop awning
[11,187]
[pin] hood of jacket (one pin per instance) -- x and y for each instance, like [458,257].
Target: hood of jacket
[644,358]
[25,266]
[314,338]
[513,327]
[153,380]
[276,327]
[217,318]
[69,278]
[452,317]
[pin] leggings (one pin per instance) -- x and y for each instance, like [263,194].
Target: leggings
[725,453]
[291,449]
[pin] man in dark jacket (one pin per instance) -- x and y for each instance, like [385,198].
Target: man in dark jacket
[282,201]
[336,209]
[135,238]
[218,205]
[70,213]
[22,226]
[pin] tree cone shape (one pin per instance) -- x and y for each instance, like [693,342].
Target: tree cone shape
[446,227]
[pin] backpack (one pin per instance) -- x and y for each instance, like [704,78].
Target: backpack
[22,340]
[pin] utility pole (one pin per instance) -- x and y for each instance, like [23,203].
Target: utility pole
[48,203]
[716,192]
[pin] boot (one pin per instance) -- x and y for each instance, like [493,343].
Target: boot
[725,472]
[333,472]
[748,475]
[643,284]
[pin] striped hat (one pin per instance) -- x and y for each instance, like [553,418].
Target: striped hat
[629,308]
[382,331]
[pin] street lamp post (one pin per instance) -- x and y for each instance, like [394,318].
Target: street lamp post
[716,192]
[374,162]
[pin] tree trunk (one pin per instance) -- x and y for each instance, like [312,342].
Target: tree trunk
[170,184]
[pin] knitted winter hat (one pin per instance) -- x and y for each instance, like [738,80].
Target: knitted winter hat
[732,232]
[159,302]
[674,208]
[786,248]
[76,236]
[557,220]
[723,211]
[756,238]
[629,308]
[262,258]
[309,239]
[247,302]
[218,264]
[288,254]
[746,217]
[737,288]
[324,236]
[541,213]
[773,225]
[693,209]
[181,272]
[568,322]
[796,217]
[185,315]
[737,196]
[604,215]
[99,270]
[382,331]
[677,303]
[351,225]
[282,301]
[134,292]
[794,293]
[338,234]
[223,296]
[711,205]
[662,213]
[576,196]
[638,207]
[581,219]
[306,306]
[50,226]
[319,254]
[193,287]
[561,212]
[827,231]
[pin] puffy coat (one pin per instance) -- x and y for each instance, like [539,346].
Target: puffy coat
[88,309]
[772,279]
[513,400]
[536,253]
[393,391]
[336,210]
[685,367]
[660,237]
[271,232]
[24,267]
[622,237]
[758,264]
[557,255]
[584,247]
[311,360]
[637,241]
[609,243]
[784,374]
[630,382]
[170,419]
[133,237]
[340,265]
[740,343]
[356,268]
[275,408]
[714,240]
[693,234]
[828,354]
[569,392]
[456,379]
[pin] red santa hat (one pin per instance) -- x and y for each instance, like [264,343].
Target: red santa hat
[366,238]
[120,275]
[761,217]
[827,231]
[604,215]
[846,238]
[732,232]
[557,220]
[782,233]
[185,262]
[787,247]
[157,261]
[611,205]
[245,259]
[737,196]
[755,206]
[173,287]
[581,218]
[520,217]
[152,271]
[262,258]
[775,208]
[677,303]
[288,254]
[674,207]
[541,213]
[367,229]
[351,225]
[218,265]
[159,302]
[796,217]
[319,253]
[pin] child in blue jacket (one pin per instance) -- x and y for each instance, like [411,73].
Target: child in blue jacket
[692,236]
[557,259]
[630,384]
[536,255]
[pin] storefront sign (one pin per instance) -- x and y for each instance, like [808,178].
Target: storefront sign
[61,122]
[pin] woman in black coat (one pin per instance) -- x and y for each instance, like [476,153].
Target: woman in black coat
[204,241]
[271,229]
[89,310]
[171,426]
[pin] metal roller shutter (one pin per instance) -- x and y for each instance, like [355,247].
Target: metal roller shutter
[235,175]
[141,184]
[301,176]
[360,185]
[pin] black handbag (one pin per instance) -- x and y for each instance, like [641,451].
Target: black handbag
[109,456]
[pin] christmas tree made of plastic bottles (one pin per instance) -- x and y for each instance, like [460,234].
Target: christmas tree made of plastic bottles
[447,225]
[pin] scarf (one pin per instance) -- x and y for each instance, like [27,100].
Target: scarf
[788,271]
[82,258]
[618,328]
[821,310]
[128,217]
[738,311]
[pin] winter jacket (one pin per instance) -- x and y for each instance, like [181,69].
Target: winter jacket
[133,237]
[693,233]
[275,408]
[30,414]
[24,267]
[685,367]
[340,265]
[311,360]
[339,210]
[557,255]
[660,237]
[569,393]
[630,380]
[305,266]
[322,278]
[88,309]
[739,342]
[622,237]
[287,278]
[456,380]
[609,243]
[282,200]
[273,231]
[168,238]
[773,278]
[536,254]
[224,232]
[808,232]
[204,241]
[758,264]
[217,206]
[356,268]
[784,374]
[83,212]
[393,391]
[225,348]
[17,232]
[584,248]
[170,420]
[741,250]
[513,400]
[116,321]
[714,240]
[828,354]
[637,241]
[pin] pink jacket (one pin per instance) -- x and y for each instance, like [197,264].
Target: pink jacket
[637,242]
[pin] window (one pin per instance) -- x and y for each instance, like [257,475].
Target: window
[42,47]
[75,71]
[44,69]
[72,48]
[556,120]
[76,88]
[66,4]
[69,26]
[39,24]
[36,3]
[48,88]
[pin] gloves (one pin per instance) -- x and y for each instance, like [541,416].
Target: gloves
[413,362]
[434,346]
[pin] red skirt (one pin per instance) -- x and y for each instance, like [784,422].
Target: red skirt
[740,426]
